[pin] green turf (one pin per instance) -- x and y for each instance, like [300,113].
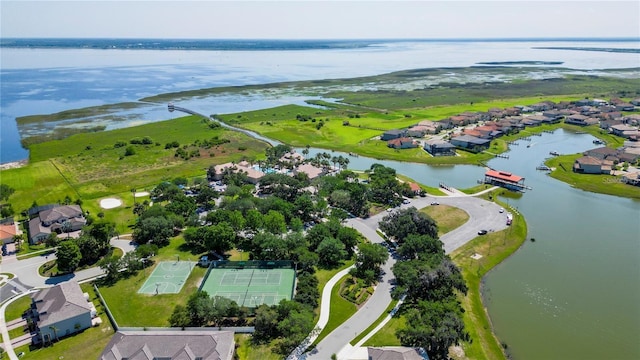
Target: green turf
[250,287]
[167,278]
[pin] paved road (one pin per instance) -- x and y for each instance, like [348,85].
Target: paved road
[482,215]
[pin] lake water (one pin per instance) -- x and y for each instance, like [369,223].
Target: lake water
[572,294]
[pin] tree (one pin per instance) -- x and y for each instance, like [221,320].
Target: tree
[69,256]
[219,237]
[420,247]
[403,222]
[253,220]
[265,324]
[5,192]
[198,307]
[274,222]
[434,326]
[180,317]
[111,266]
[331,252]
[155,229]
[369,259]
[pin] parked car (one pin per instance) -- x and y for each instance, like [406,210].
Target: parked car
[435,203]
[501,210]
[482,232]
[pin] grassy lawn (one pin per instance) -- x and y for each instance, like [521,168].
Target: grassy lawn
[494,248]
[341,310]
[90,167]
[125,302]
[447,217]
[17,308]
[85,345]
[387,334]
[599,183]
[375,323]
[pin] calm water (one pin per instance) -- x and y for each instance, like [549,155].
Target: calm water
[43,81]
[571,294]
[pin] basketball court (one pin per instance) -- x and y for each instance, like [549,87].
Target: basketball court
[167,278]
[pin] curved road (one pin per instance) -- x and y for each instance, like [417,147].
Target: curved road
[482,215]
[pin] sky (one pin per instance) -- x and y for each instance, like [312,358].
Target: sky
[307,19]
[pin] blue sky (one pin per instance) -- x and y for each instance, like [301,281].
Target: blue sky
[319,19]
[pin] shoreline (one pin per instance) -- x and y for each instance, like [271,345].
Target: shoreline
[14,164]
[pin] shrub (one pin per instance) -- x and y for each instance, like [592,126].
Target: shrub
[119,144]
[130,150]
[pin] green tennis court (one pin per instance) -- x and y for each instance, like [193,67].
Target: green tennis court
[167,278]
[250,287]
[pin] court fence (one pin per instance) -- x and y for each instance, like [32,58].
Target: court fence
[253,264]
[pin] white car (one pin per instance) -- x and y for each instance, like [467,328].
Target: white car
[501,210]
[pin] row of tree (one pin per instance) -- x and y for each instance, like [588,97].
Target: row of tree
[430,281]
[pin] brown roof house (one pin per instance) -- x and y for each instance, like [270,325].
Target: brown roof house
[396,353]
[59,219]
[402,143]
[59,311]
[632,178]
[170,344]
[592,165]
[582,120]
[7,232]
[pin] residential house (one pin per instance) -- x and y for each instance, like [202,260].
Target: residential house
[591,165]
[418,131]
[392,134]
[470,143]
[632,178]
[635,102]
[553,116]
[7,232]
[603,153]
[58,219]
[433,127]
[606,124]
[437,147]
[625,107]
[632,119]
[396,353]
[623,130]
[579,119]
[59,311]
[402,143]
[170,344]
[543,106]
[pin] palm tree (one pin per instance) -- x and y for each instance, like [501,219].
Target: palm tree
[55,331]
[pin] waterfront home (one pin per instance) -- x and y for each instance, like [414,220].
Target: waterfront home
[392,134]
[553,116]
[606,124]
[55,219]
[470,143]
[632,178]
[623,130]
[543,106]
[579,119]
[433,127]
[170,344]
[60,311]
[603,153]
[437,147]
[402,143]
[592,165]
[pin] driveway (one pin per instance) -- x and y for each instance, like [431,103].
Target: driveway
[482,215]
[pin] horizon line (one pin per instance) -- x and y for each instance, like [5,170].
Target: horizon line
[333,39]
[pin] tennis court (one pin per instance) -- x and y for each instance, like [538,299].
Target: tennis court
[167,278]
[250,287]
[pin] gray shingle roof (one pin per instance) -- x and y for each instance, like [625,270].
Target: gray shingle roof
[173,344]
[60,302]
